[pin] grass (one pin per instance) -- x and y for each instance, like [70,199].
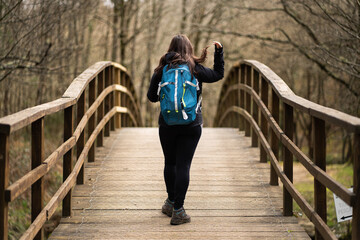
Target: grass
[303,181]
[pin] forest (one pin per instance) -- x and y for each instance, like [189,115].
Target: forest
[313,45]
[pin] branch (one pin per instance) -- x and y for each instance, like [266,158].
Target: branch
[7,13]
[6,75]
[250,36]
[258,9]
[301,23]
[321,65]
[344,28]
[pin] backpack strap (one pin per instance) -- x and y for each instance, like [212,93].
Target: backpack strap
[162,85]
[198,104]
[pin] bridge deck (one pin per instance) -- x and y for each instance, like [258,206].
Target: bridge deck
[228,198]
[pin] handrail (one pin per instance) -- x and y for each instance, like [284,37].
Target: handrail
[246,91]
[113,105]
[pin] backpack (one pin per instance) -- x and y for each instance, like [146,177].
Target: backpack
[177,92]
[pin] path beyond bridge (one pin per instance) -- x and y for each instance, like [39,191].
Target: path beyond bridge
[229,195]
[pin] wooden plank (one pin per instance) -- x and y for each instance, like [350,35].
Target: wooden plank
[37,158]
[22,184]
[4,182]
[91,124]
[68,158]
[258,214]
[26,181]
[81,105]
[18,120]
[203,216]
[319,140]
[35,226]
[288,158]
[78,85]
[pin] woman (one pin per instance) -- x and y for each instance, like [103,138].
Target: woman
[179,141]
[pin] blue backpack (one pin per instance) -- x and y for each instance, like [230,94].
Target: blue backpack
[178,95]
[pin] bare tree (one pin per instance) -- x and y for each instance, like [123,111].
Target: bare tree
[325,32]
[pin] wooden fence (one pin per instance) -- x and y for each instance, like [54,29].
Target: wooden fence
[245,96]
[107,90]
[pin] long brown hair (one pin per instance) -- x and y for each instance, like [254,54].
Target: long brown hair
[183,52]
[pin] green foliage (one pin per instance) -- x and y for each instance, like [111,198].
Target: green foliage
[342,173]
[19,218]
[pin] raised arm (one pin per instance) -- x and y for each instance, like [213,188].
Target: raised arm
[209,75]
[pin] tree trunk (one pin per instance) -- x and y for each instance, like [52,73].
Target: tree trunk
[77,54]
[133,47]
[184,16]
[125,11]
[106,42]
[6,97]
[115,34]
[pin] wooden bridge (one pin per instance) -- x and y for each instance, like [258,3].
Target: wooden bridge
[113,188]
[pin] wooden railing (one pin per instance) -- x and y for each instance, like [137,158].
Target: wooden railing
[246,93]
[112,104]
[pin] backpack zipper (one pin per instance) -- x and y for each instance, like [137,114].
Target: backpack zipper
[183,105]
[175,94]
[182,99]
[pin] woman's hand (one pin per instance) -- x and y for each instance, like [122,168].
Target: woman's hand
[217,44]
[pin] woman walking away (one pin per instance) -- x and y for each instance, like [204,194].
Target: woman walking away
[177,84]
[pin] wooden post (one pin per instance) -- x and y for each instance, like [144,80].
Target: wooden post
[274,180]
[242,96]
[241,121]
[234,94]
[288,158]
[126,101]
[37,158]
[68,157]
[264,125]
[107,102]
[91,125]
[255,108]
[122,98]
[4,183]
[247,99]
[235,98]
[81,141]
[319,141]
[229,101]
[356,187]
[112,97]
[100,110]
[117,98]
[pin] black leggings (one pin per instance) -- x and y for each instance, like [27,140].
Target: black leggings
[178,144]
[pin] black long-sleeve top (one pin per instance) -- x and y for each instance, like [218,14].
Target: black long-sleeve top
[202,74]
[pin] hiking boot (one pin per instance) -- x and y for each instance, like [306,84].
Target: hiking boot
[167,208]
[179,217]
